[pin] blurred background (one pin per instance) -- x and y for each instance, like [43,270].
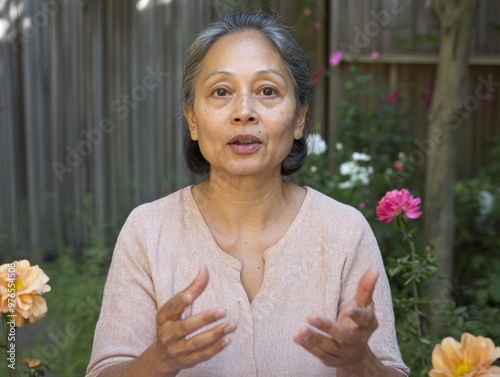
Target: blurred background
[90,127]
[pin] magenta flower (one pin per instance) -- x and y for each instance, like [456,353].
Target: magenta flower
[398,203]
[393,98]
[375,55]
[336,57]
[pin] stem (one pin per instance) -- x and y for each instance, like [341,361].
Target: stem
[414,283]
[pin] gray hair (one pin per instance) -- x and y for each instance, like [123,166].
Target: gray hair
[284,40]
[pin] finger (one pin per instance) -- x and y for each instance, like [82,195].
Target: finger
[207,338]
[180,329]
[173,308]
[324,342]
[206,353]
[366,287]
[364,318]
[338,333]
[199,283]
[304,339]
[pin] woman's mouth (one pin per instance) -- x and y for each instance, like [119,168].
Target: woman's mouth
[244,144]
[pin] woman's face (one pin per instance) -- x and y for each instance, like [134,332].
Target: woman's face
[244,115]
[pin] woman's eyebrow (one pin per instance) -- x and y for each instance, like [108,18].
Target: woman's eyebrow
[258,73]
[270,71]
[214,73]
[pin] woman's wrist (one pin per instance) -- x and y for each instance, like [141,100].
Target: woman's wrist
[367,364]
[161,369]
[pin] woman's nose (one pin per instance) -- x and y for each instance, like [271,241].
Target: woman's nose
[244,111]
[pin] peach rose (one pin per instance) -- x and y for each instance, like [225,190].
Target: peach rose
[24,285]
[472,357]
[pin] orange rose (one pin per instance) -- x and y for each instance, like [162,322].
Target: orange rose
[24,285]
[472,357]
[31,363]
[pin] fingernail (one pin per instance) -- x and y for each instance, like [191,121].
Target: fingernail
[220,314]
[229,328]
[315,321]
[225,342]
[306,335]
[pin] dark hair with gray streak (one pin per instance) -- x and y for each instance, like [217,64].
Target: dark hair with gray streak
[283,39]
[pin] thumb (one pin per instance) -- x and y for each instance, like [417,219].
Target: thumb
[181,303]
[366,287]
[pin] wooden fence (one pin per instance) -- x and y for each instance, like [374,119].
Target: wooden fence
[90,120]
[405,34]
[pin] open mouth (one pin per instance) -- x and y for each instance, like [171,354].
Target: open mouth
[245,142]
[245,139]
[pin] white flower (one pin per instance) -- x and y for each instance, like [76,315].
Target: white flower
[356,156]
[346,185]
[314,169]
[315,144]
[356,173]
[339,146]
[486,202]
[348,168]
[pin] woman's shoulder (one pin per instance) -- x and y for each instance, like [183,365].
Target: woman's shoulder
[161,210]
[322,204]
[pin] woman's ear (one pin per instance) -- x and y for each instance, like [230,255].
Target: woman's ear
[300,121]
[191,121]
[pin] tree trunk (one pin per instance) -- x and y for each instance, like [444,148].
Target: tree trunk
[457,19]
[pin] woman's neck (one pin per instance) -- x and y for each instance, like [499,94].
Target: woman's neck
[243,203]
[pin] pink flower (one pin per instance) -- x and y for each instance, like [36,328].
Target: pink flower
[398,203]
[393,98]
[317,25]
[362,205]
[375,55]
[336,57]
[398,165]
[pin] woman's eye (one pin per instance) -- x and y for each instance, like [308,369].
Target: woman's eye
[221,92]
[268,91]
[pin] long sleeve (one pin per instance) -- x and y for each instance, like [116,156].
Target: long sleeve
[126,325]
[366,254]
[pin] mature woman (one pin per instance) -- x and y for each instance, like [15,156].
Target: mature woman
[246,274]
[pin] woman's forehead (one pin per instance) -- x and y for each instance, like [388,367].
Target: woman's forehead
[243,51]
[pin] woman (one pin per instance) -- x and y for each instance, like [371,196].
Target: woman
[288,278]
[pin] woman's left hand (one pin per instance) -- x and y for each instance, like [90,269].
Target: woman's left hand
[347,342]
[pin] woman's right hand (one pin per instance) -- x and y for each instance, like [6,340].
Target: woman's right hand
[175,349]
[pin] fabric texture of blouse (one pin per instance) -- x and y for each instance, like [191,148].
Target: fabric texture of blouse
[313,269]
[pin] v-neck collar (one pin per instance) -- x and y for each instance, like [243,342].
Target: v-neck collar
[233,262]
